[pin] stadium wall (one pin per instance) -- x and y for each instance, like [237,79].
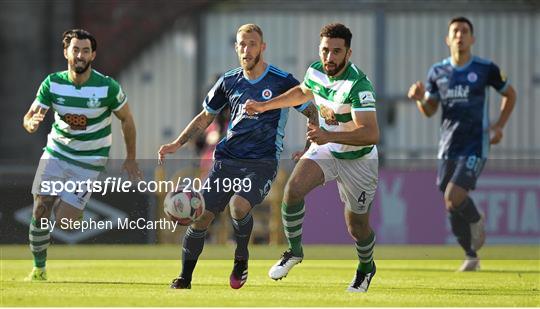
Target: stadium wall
[412,40]
[415,41]
[161,90]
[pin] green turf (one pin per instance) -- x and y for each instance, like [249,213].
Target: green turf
[216,252]
[313,283]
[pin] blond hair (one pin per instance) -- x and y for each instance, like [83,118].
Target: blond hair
[251,28]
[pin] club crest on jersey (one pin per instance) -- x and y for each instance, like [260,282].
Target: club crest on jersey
[328,115]
[472,77]
[266,94]
[121,96]
[93,102]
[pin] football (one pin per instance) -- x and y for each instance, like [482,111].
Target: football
[183,206]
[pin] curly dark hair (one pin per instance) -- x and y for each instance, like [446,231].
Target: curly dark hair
[79,34]
[337,30]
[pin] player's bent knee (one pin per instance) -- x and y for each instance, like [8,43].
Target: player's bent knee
[454,196]
[239,213]
[43,206]
[239,207]
[204,221]
[68,211]
[453,203]
[293,193]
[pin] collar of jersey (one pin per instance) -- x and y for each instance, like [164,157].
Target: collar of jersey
[254,81]
[81,85]
[463,67]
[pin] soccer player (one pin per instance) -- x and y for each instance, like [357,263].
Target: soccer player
[460,85]
[342,149]
[250,150]
[78,145]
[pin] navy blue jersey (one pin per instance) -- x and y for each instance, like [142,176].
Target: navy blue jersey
[251,137]
[463,93]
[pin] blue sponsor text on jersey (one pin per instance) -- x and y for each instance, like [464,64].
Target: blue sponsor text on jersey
[463,94]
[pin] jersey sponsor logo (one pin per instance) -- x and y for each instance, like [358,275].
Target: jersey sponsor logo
[366,97]
[328,115]
[266,94]
[75,121]
[93,102]
[245,115]
[472,77]
[458,92]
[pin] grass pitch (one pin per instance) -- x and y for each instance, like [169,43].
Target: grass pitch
[120,281]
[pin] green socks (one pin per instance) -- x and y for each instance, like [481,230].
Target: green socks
[39,242]
[292,217]
[364,249]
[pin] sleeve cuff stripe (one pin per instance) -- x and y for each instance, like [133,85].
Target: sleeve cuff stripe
[120,106]
[365,109]
[36,102]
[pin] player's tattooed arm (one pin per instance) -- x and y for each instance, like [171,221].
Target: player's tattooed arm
[293,97]
[312,119]
[312,115]
[43,207]
[194,128]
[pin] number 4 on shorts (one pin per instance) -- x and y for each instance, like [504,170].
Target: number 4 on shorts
[362,198]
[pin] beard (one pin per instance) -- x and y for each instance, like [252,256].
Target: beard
[333,72]
[248,66]
[79,69]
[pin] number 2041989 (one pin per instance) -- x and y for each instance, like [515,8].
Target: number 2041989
[235,185]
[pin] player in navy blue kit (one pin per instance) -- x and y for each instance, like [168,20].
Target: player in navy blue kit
[250,150]
[460,85]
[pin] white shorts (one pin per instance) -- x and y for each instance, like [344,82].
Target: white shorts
[52,169]
[357,179]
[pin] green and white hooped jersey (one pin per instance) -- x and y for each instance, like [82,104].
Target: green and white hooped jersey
[81,132]
[336,98]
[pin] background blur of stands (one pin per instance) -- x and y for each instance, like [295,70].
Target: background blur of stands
[167,54]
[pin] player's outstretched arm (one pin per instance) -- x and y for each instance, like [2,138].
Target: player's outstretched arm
[129,132]
[33,118]
[293,97]
[312,116]
[366,132]
[507,106]
[417,91]
[194,128]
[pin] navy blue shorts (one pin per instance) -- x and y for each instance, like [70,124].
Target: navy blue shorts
[463,171]
[250,179]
